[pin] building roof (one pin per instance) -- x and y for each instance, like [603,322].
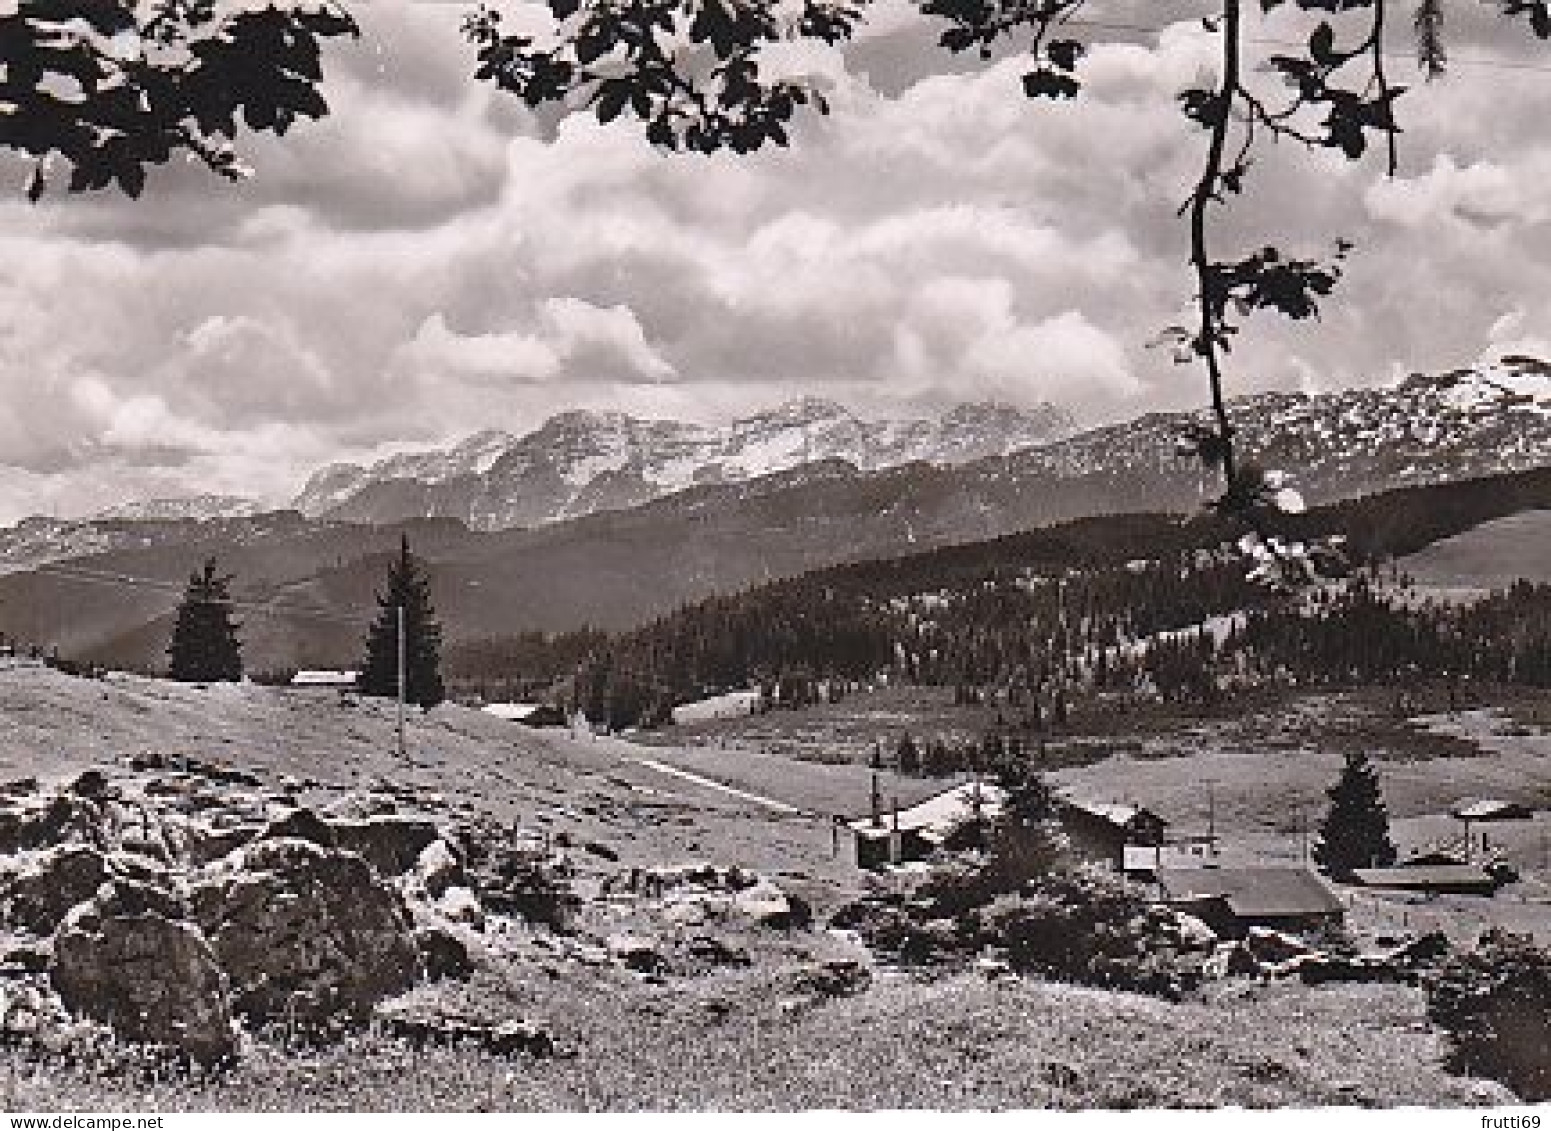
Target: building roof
[1253,892]
[323,677]
[1121,816]
[1490,809]
[1425,876]
[1433,856]
[1140,858]
[941,813]
[512,712]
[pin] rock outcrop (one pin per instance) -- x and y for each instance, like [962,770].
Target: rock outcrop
[151,977]
[308,935]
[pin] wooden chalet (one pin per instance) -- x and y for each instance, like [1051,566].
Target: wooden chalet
[956,818]
[1232,900]
[1431,879]
[1102,832]
[953,818]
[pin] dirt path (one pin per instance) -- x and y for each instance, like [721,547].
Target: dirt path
[711,783]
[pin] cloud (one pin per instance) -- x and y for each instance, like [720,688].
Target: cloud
[1483,194]
[432,260]
[570,340]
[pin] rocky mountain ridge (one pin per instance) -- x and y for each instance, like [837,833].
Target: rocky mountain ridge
[579,462]
[105,589]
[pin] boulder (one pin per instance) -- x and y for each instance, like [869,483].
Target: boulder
[152,979]
[43,889]
[1421,952]
[69,819]
[32,1016]
[307,934]
[503,1038]
[14,824]
[302,824]
[508,1038]
[205,845]
[221,774]
[438,868]
[357,806]
[1191,933]
[1228,960]
[443,955]
[832,979]
[716,952]
[638,954]
[392,844]
[994,969]
[143,896]
[1269,947]
[1321,969]
[90,783]
[536,888]
[461,905]
[21,959]
[150,847]
[768,905]
[692,910]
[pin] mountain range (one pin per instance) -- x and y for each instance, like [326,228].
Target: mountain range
[580,462]
[107,587]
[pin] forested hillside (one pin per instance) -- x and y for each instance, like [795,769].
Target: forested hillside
[1140,604]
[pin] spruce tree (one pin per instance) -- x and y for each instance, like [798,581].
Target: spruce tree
[204,646]
[1355,833]
[409,588]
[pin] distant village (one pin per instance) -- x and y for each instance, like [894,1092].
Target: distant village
[1195,872]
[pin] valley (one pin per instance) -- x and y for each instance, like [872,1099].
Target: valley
[676,900]
[744,1035]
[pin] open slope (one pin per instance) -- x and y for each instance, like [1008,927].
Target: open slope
[951,1045]
[1488,556]
[460,760]
[729,1039]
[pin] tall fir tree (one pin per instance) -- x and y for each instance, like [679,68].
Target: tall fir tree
[1355,833]
[205,647]
[409,588]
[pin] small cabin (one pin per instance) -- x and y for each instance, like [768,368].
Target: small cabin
[325,678]
[1232,900]
[1431,879]
[1101,832]
[1143,861]
[1488,810]
[957,817]
[950,819]
[513,712]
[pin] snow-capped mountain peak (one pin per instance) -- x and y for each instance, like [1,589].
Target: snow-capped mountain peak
[182,507]
[581,460]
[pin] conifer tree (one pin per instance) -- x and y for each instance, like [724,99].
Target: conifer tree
[409,588]
[1355,833]
[204,646]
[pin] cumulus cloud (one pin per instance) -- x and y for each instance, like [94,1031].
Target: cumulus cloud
[432,260]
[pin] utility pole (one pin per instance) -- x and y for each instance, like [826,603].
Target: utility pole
[403,756]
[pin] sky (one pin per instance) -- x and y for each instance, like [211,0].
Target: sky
[432,260]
